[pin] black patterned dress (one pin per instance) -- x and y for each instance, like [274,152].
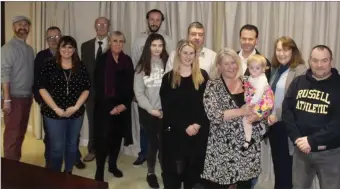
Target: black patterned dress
[225,162]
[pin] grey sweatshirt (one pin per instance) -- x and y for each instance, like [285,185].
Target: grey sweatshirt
[17,67]
[146,88]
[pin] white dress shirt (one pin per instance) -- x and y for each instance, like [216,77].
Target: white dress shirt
[244,60]
[105,45]
[206,60]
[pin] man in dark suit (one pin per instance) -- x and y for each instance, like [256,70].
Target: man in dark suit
[90,50]
[53,34]
[249,38]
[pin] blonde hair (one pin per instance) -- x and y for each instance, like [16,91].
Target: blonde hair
[196,74]
[259,59]
[215,72]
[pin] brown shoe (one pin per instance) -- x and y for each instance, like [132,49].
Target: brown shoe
[89,157]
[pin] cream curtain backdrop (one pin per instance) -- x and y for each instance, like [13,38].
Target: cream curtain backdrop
[308,23]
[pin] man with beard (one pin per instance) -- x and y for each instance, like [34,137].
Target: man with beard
[154,18]
[53,34]
[206,56]
[17,67]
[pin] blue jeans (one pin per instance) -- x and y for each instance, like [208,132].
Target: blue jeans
[253,182]
[143,143]
[63,141]
[47,149]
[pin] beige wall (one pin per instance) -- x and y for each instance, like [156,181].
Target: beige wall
[13,9]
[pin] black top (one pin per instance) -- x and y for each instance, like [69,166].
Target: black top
[183,106]
[122,83]
[42,58]
[239,99]
[311,108]
[53,79]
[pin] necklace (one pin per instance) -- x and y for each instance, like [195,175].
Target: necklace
[67,81]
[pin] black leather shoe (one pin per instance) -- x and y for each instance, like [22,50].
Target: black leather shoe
[80,165]
[139,161]
[152,181]
[116,172]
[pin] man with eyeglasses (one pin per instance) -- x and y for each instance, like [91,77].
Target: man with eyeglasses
[311,110]
[90,51]
[53,34]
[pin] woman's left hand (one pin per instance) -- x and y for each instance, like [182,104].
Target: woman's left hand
[121,108]
[70,111]
[191,131]
[253,118]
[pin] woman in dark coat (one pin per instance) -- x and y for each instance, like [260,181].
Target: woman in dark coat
[185,125]
[114,93]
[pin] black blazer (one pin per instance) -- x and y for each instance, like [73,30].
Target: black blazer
[42,58]
[88,58]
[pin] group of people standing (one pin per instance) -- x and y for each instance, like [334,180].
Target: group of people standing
[204,113]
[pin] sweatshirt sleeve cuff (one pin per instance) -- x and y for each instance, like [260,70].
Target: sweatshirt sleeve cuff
[149,110]
[311,142]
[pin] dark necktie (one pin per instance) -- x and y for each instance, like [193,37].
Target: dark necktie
[100,50]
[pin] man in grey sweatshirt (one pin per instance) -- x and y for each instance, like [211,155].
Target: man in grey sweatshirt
[17,73]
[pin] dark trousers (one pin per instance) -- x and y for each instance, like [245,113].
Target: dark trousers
[177,171]
[90,116]
[152,127]
[47,149]
[282,161]
[143,143]
[63,142]
[16,123]
[108,137]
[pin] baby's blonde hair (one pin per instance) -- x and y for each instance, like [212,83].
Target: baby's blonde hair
[259,59]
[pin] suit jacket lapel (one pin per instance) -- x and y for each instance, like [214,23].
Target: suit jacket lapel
[93,49]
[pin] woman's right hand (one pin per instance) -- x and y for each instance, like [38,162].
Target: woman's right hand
[272,119]
[247,109]
[60,112]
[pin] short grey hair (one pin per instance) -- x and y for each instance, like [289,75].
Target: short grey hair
[117,33]
[102,17]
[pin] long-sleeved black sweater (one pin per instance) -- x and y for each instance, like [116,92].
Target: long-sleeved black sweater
[312,108]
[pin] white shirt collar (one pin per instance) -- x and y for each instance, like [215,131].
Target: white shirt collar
[202,53]
[105,40]
[242,58]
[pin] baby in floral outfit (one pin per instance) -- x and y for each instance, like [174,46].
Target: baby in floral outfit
[257,92]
